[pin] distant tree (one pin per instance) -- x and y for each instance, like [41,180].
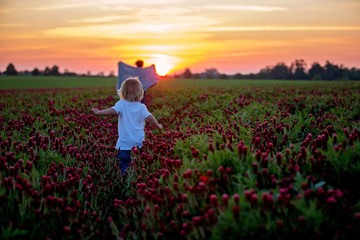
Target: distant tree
[69,74]
[281,71]
[345,74]
[265,73]
[354,74]
[299,72]
[47,71]
[211,73]
[252,76]
[196,76]
[111,74]
[316,71]
[332,71]
[223,76]
[10,70]
[187,73]
[54,71]
[238,76]
[35,72]
[88,73]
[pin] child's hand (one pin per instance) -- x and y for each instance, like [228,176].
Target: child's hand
[160,127]
[95,110]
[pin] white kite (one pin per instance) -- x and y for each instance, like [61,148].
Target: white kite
[147,76]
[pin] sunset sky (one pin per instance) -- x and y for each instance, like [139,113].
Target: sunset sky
[230,35]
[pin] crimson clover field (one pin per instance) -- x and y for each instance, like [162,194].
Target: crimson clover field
[256,161]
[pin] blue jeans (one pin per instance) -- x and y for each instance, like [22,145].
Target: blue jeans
[143,99]
[125,160]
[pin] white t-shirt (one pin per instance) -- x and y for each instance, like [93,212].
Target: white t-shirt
[131,123]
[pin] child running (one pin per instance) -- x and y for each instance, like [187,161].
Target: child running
[131,121]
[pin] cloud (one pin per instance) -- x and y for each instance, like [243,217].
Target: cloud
[12,25]
[79,5]
[283,28]
[159,24]
[118,31]
[64,5]
[96,20]
[169,11]
[254,8]
[159,48]
[124,5]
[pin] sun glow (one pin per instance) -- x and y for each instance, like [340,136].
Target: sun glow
[163,68]
[163,63]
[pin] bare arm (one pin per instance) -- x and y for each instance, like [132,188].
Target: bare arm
[105,112]
[150,119]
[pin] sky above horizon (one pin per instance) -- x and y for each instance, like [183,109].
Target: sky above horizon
[232,36]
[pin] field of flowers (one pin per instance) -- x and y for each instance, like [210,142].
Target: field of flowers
[252,162]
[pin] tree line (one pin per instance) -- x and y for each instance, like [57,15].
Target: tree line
[297,70]
[48,71]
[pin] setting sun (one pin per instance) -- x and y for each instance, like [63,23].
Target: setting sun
[163,68]
[163,63]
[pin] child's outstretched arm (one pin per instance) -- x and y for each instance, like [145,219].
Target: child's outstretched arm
[150,119]
[105,112]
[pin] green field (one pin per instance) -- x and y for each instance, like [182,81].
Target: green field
[29,82]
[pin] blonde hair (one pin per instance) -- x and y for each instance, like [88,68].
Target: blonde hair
[131,90]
